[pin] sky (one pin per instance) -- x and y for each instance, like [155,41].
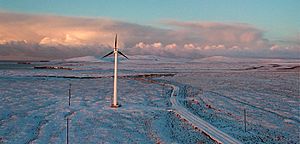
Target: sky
[49,29]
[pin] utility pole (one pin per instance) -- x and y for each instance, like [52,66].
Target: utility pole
[245,124]
[70,85]
[163,90]
[67,130]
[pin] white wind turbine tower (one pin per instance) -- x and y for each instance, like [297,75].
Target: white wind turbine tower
[115,52]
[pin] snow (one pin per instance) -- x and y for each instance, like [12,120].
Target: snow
[224,59]
[83,59]
[34,102]
[36,111]
[270,98]
[197,122]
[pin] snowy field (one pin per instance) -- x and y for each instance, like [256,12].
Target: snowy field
[34,102]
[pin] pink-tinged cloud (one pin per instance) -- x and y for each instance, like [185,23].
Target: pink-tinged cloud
[24,36]
[212,33]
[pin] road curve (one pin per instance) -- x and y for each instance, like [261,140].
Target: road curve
[204,126]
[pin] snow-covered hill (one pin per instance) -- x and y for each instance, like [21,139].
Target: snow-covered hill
[221,59]
[132,59]
[83,59]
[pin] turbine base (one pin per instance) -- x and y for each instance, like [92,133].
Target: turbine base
[116,106]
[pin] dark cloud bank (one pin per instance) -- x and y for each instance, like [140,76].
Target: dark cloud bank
[54,37]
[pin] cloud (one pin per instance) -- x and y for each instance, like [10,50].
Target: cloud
[51,37]
[19,50]
[68,41]
[208,33]
[189,46]
[171,46]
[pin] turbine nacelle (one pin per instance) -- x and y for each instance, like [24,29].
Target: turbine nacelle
[116,49]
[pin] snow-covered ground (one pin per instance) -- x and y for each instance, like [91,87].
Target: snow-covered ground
[34,102]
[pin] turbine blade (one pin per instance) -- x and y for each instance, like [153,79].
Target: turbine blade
[116,41]
[123,54]
[108,54]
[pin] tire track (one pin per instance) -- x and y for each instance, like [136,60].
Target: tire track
[204,126]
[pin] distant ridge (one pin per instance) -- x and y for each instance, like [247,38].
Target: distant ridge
[135,58]
[160,59]
[83,59]
[217,59]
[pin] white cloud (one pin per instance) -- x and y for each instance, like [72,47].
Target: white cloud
[140,45]
[49,41]
[3,41]
[234,47]
[156,45]
[189,46]
[171,46]
[274,47]
[49,33]
[143,45]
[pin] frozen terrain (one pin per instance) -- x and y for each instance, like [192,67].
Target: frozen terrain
[34,102]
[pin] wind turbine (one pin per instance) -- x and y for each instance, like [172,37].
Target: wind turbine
[115,52]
